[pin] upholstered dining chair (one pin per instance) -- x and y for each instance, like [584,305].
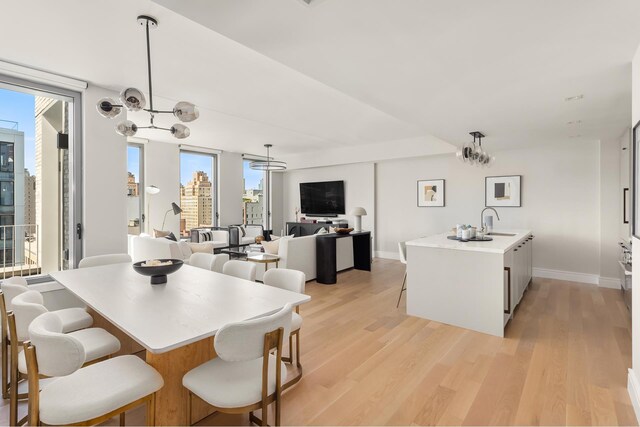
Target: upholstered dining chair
[246,375]
[10,288]
[294,281]
[98,260]
[241,269]
[72,319]
[402,249]
[82,395]
[219,261]
[98,343]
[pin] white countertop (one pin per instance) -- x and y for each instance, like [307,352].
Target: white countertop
[192,305]
[499,244]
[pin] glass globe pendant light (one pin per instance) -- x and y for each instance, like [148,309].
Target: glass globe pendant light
[134,100]
[473,154]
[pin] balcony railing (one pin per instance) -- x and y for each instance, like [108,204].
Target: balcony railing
[19,250]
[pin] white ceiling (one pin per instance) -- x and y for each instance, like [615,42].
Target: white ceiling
[500,66]
[351,74]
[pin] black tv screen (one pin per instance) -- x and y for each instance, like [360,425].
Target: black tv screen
[322,198]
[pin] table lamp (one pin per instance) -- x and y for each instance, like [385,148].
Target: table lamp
[357,213]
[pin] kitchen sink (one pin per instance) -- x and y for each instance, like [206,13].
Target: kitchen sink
[501,234]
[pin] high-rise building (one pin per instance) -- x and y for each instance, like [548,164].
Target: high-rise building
[133,187]
[11,184]
[29,198]
[196,201]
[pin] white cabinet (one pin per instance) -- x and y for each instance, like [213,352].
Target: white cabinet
[518,263]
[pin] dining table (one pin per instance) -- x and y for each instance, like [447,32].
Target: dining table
[174,323]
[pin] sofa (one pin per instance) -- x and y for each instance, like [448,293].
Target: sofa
[251,231]
[147,247]
[299,253]
[218,236]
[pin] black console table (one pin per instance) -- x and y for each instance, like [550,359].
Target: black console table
[326,255]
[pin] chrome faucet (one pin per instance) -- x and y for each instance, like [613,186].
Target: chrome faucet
[482,216]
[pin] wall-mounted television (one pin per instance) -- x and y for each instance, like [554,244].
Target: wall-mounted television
[322,198]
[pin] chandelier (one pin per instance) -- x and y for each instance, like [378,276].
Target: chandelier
[473,154]
[133,100]
[268,164]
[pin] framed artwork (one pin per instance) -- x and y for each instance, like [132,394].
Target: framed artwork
[503,191]
[431,193]
[635,187]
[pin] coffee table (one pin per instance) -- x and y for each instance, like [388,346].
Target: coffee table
[257,257]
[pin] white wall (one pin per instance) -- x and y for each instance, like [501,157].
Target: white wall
[104,180]
[358,187]
[634,380]
[162,169]
[610,209]
[231,188]
[560,201]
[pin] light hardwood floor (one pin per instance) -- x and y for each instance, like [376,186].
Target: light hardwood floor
[564,360]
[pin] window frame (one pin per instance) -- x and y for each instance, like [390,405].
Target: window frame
[215,215]
[141,181]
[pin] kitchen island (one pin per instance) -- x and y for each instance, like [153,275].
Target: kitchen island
[474,285]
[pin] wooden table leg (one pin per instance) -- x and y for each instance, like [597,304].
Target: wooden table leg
[171,400]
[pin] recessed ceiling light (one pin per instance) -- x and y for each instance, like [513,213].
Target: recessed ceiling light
[574,98]
[574,122]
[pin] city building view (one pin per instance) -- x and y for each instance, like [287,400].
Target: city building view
[196,201]
[252,196]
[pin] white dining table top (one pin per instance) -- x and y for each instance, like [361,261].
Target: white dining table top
[191,306]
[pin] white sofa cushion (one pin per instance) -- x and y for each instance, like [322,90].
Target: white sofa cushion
[97,390]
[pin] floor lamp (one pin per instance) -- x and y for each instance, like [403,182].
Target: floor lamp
[151,190]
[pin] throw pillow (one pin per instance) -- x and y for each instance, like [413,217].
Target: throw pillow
[160,233]
[273,237]
[271,247]
[185,249]
[332,229]
[206,247]
[243,230]
[322,231]
[171,236]
[206,236]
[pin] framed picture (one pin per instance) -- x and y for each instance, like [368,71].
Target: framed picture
[503,191]
[431,193]
[635,187]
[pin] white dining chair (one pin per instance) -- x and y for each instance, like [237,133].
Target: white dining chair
[294,281]
[246,375]
[219,261]
[98,343]
[98,260]
[10,288]
[402,249]
[89,395]
[202,260]
[241,269]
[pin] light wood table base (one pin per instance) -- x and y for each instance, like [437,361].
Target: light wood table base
[171,400]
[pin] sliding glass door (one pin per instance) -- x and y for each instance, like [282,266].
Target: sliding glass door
[39,178]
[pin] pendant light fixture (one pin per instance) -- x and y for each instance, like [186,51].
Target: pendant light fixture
[474,154]
[133,100]
[268,164]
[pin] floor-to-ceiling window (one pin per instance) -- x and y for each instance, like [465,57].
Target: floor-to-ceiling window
[198,191]
[135,188]
[39,170]
[252,196]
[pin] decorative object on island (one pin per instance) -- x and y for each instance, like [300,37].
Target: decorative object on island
[358,212]
[176,211]
[151,190]
[503,191]
[157,269]
[473,154]
[133,100]
[431,193]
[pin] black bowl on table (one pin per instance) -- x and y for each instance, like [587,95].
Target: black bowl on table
[158,273]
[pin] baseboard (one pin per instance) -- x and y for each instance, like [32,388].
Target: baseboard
[633,388]
[387,255]
[572,276]
[609,282]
